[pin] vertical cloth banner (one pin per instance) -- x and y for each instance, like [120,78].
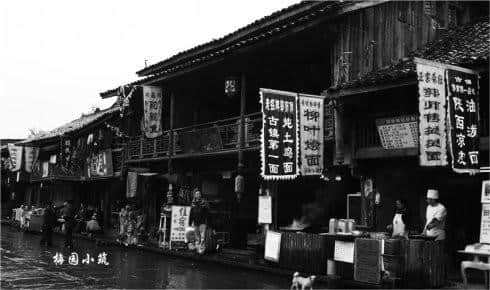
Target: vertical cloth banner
[432,109]
[152,103]
[279,148]
[100,164]
[311,134]
[15,153]
[131,184]
[464,137]
[31,155]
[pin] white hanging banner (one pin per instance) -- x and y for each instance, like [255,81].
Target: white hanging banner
[152,104]
[15,153]
[432,110]
[311,134]
[265,209]
[32,153]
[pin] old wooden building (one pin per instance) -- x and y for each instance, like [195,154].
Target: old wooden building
[359,56]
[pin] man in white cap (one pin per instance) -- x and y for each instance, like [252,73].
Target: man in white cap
[435,216]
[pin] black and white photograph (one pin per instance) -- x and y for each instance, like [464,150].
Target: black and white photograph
[211,144]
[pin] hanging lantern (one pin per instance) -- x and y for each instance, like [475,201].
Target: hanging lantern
[239,186]
[231,86]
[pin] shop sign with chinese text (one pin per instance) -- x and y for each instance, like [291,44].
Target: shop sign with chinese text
[398,132]
[432,119]
[279,148]
[179,221]
[15,153]
[31,155]
[311,134]
[464,137]
[485,224]
[152,98]
[100,164]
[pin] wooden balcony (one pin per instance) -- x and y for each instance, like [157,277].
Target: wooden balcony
[202,139]
[367,143]
[55,171]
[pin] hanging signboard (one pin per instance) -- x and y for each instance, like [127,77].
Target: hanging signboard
[485,191]
[432,122]
[45,169]
[329,122]
[344,252]
[152,103]
[265,209]
[179,221]
[464,137]
[272,246]
[311,134]
[485,224]
[31,155]
[15,153]
[398,132]
[100,164]
[279,148]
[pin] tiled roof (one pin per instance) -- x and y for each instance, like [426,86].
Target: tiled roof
[74,125]
[307,7]
[259,30]
[464,45]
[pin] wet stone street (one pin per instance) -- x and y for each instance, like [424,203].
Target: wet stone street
[26,264]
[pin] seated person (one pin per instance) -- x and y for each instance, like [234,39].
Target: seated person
[93,226]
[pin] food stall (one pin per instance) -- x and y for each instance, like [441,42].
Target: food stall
[365,257]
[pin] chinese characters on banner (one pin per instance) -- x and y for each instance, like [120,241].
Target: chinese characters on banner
[432,124]
[462,87]
[31,155]
[279,150]
[311,134]
[398,132]
[152,98]
[100,164]
[485,223]
[179,221]
[15,153]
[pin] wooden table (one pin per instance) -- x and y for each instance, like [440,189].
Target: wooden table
[477,263]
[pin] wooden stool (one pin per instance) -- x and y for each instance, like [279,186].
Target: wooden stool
[478,265]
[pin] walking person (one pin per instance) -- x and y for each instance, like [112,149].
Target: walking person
[48,224]
[67,216]
[93,226]
[198,219]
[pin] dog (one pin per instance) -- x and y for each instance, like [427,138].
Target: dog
[304,282]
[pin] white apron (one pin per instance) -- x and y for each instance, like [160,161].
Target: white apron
[399,228]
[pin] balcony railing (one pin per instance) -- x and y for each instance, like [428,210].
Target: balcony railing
[212,137]
[55,171]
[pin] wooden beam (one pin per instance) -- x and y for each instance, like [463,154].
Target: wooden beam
[380,152]
[363,90]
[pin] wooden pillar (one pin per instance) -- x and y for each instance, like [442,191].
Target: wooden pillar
[107,206]
[241,128]
[171,147]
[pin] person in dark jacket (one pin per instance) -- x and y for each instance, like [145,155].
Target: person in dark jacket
[198,218]
[400,225]
[67,215]
[48,224]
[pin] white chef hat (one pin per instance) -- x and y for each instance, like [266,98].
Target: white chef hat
[433,193]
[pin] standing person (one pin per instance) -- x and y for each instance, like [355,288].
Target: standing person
[48,224]
[435,216]
[123,221]
[80,219]
[198,219]
[68,219]
[400,224]
[93,226]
